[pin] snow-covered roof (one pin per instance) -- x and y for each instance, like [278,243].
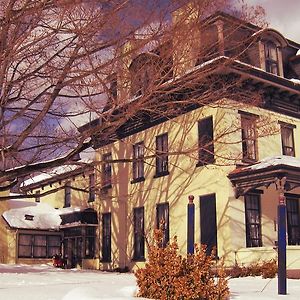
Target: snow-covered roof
[69,210]
[275,161]
[295,80]
[31,215]
[268,162]
[56,171]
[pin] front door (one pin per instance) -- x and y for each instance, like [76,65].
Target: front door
[208,223]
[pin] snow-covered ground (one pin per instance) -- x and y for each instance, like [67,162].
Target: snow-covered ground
[46,283]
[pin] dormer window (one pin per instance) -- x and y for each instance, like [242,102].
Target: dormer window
[144,73]
[150,69]
[29,217]
[271,58]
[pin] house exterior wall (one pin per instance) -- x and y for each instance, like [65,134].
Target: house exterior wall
[3,230]
[186,179]
[56,199]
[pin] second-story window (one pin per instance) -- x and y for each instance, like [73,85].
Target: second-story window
[249,137]
[106,170]
[271,58]
[206,141]
[287,139]
[138,162]
[162,155]
[91,187]
[67,194]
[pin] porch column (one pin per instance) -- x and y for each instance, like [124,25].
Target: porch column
[190,225]
[281,213]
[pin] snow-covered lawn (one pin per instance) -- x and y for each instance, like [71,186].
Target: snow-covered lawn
[47,283]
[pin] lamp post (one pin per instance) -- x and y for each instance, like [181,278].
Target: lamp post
[281,214]
[190,225]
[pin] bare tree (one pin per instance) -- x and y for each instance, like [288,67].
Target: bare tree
[105,63]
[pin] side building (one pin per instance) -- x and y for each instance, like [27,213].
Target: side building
[58,217]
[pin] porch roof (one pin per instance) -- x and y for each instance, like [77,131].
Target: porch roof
[24,214]
[266,172]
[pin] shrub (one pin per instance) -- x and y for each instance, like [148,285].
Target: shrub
[168,275]
[266,269]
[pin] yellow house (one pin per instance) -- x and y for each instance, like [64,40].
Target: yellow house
[154,161]
[222,128]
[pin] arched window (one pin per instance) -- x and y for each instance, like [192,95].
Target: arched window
[148,70]
[271,57]
[272,43]
[144,71]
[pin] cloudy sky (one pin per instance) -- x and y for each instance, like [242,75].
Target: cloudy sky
[283,15]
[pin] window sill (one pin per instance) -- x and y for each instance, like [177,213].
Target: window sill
[248,161]
[157,175]
[138,259]
[136,180]
[202,164]
[106,187]
[106,261]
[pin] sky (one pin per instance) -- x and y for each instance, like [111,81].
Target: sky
[282,15]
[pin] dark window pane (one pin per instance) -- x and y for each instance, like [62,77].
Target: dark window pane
[162,221]
[208,222]
[67,195]
[91,187]
[106,169]
[139,237]
[106,237]
[206,141]
[37,196]
[25,245]
[253,220]
[249,137]
[293,221]
[162,154]
[271,58]
[138,161]
[40,246]
[287,140]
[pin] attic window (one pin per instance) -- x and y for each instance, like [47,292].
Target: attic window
[29,217]
[271,58]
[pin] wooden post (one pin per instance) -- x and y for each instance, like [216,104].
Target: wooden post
[190,225]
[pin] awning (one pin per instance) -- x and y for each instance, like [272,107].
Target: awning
[266,172]
[87,216]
